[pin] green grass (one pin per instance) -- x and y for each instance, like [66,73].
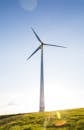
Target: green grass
[44,121]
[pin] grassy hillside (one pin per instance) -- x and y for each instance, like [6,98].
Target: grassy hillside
[57,120]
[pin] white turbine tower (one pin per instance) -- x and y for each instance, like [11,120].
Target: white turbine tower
[42,101]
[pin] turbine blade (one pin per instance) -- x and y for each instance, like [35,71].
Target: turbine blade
[36,35]
[33,52]
[55,45]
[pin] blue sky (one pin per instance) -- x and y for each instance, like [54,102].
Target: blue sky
[55,21]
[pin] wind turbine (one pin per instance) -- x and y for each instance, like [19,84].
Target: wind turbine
[40,47]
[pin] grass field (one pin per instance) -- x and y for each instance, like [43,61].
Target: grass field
[56,120]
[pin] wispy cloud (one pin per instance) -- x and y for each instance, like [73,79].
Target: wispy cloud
[11,103]
[28,5]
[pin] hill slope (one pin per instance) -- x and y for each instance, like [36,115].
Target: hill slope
[56,120]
